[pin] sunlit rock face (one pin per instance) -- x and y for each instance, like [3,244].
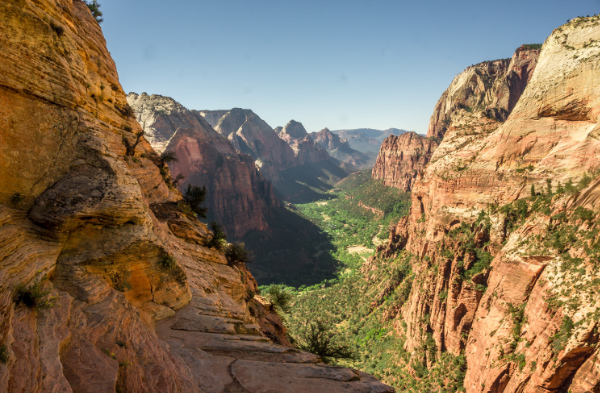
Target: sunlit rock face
[503,319]
[402,159]
[340,149]
[238,196]
[139,303]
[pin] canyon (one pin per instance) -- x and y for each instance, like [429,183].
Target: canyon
[107,282]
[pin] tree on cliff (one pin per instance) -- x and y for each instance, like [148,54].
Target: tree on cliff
[94,7]
[194,196]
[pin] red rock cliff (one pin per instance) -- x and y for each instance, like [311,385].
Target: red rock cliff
[237,195]
[138,303]
[491,88]
[402,159]
[512,316]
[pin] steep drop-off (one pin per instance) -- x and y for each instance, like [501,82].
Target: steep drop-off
[491,88]
[237,195]
[402,159]
[138,303]
[503,230]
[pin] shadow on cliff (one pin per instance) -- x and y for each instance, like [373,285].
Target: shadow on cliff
[310,182]
[294,251]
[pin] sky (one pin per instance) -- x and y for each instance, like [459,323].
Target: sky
[339,64]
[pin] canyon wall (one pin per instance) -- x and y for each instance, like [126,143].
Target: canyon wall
[250,134]
[106,284]
[502,221]
[339,148]
[477,101]
[305,149]
[237,195]
[402,159]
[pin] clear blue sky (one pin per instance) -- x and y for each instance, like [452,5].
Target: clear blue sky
[325,63]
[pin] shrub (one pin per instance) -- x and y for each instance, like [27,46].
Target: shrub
[218,239]
[236,254]
[16,198]
[167,262]
[59,30]
[167,156]
[129,147]
[94,7]
[4,357]
[316,337]
[279,297]
[194,196]
[34,296]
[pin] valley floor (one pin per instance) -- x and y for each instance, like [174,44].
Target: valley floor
[358,308]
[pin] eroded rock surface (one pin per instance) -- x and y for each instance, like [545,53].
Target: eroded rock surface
[138,303]
[402,159]
[491,285]
[238,196]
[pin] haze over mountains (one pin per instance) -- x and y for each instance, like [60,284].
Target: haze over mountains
[109,281]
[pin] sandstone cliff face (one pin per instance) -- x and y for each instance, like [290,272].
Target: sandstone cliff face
[249,134]
[402,159]
[237,195]
[515,318]
[139,305]
[305,149]
[340,149]
[491,88]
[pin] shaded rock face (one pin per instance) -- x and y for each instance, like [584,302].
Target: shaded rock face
[340,149]
[249,134]
[237,195]
[139,304]
[402,159]
[305,149]
[502,319]
[491,88]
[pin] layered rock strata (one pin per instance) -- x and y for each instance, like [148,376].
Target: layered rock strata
[305,149]
[249,134]
[340,149]
[494,282]
[138,303]
[237,195]
[491,88]
[402,159]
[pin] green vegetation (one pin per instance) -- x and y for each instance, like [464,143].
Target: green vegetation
[34,296]
[317,337]
[194,196]
[4,356]
[130,148]
[279,296]
[531,46]
[237,254]
[217,241]
[16,199]
[94,7]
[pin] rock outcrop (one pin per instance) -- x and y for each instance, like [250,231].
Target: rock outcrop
[491,89]
[250,134]
[402,159]
[340,149]
[237,195]
[138,303]
[305,149]
[489,224]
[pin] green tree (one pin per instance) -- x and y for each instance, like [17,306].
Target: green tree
[94,7]
[218,239]
[194,196]
[316,337]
